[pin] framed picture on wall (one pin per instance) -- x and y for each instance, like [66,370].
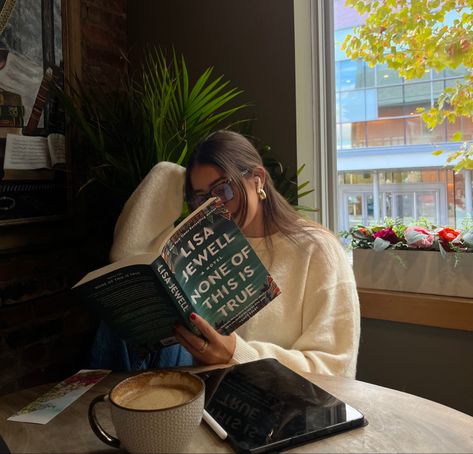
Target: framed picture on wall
[33,159]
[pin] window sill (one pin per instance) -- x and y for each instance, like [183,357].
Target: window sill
[416,308]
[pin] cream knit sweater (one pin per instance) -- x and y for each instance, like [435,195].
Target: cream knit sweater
[314,324]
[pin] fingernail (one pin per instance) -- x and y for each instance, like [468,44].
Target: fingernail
[193,316]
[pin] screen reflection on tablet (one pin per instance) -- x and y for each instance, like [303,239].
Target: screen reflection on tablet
[263,404]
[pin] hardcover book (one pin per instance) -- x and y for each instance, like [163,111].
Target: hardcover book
[205,265]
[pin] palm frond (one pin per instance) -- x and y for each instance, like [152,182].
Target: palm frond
[157,114]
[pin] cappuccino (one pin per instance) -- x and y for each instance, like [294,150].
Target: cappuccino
[155,397]
[153,412]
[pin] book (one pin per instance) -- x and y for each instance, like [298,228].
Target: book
[205,265]
[40,102]
[4,130]
[33,157]
[12,111]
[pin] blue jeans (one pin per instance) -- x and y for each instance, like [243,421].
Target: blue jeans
[110,352]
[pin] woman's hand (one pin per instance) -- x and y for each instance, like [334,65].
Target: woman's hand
[215,349]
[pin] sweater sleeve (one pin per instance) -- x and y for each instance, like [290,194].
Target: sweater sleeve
[330,327]
[150,212]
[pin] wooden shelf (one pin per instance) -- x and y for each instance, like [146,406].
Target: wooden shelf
[417,308]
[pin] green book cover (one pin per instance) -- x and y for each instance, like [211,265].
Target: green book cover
[205,266]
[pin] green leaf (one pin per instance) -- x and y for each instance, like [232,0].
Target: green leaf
[457,136]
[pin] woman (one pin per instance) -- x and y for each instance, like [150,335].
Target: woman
[313,326]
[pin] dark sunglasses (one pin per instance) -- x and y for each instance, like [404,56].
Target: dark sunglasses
[223,190]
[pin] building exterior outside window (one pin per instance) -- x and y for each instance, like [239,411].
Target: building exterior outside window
[384,151]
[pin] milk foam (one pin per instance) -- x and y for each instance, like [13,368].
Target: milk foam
[155,397]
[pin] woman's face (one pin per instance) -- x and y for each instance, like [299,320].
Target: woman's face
[207,177]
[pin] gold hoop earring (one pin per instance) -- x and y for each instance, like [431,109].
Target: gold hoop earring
[262,194]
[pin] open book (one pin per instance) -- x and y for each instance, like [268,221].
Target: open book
[205,265]
[30,157]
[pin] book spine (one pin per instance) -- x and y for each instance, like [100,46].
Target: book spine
[8,112]
[174,290]
[11,122]
[41,98]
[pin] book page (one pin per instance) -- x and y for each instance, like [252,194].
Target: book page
[26,152]
[57,148]
[143,259]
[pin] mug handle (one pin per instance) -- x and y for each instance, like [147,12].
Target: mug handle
[95,425]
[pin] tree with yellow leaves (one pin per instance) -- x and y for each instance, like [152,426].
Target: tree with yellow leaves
[412,36]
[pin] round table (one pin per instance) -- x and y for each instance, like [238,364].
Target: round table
[398,422]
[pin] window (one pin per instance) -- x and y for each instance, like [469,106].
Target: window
[367,124]
[348,162]
[378,123]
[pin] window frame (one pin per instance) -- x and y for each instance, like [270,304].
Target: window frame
[315,105]
[316,150]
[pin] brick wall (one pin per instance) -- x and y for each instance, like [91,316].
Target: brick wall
[104,41]
[45,333]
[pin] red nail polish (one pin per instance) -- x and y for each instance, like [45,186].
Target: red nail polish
[193,316]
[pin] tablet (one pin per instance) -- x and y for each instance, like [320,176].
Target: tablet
[264,406]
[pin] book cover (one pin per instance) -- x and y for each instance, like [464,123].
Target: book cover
[206,266]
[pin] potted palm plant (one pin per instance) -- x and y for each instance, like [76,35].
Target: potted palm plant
[157,114]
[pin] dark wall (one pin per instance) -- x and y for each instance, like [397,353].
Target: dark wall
[250,42]
[434,363]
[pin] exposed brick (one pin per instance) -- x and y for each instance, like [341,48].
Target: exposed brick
[104,38]
[26,336]
[10,364]
[34,354]
[8,387]
[63,369]
[4,348]
[78,321]
[32,287]
[51,306]
[112,56]
[114,6]
[34,377]
[15,316]
[101,38]
[48,374]
[72,346]
[45,335]
[107,19]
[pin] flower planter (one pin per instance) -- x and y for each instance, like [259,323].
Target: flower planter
[414,271]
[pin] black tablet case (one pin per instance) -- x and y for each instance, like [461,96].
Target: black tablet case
[264,406]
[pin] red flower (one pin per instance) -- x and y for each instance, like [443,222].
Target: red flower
[360,233]
[448,234]
[387,234]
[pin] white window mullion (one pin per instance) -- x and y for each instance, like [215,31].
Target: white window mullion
[468,192]
[315,104]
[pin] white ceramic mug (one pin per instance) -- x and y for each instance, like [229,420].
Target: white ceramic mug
[152,412]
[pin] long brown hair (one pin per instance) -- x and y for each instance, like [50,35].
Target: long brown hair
[236,156]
